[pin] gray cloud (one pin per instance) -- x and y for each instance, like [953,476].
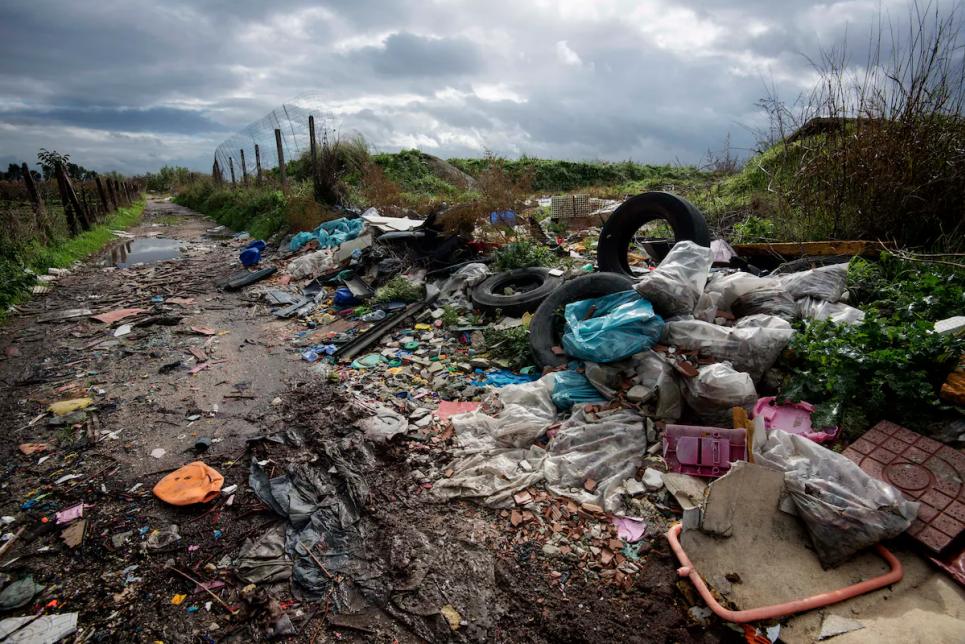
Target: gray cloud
[136,85]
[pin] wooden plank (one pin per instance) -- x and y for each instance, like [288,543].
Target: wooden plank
[795,249]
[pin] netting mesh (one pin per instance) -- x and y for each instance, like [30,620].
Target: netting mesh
[291,119]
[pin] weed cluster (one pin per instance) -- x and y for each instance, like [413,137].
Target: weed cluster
[398,289]
[511,345]
[522,254]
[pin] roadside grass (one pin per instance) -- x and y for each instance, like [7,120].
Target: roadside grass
[16,282]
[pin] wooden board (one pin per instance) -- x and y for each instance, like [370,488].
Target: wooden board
[794,249]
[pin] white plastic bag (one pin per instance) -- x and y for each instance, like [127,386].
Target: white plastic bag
[526,411]
[752,345]
[838,312]
[731,286]
[844,508]
[453,290]
[825,283]
[311,265]
[765,301]
[607,447]
[492,477]
[716,390]
[676,284]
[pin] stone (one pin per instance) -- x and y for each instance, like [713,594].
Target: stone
[652,479]
[480,363]
[638,394]
[423,422]
[836,625]
[419,414]
[436,367]
[634,487]
[550,550]
[526,466]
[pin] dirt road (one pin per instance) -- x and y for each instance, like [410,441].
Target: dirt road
[424,572]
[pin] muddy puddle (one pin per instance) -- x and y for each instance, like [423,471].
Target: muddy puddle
[146,250]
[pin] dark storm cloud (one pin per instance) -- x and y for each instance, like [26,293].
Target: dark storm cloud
[137,84]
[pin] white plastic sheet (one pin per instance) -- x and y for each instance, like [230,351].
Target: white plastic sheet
[731,286]
[838,312]
[844,508]
[752,345]
[658,376]
[716,390]
[453,290]
[825,283]
[676,284]
[607,447]
[526,411]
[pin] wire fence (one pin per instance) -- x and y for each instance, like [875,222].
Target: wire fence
[255,147]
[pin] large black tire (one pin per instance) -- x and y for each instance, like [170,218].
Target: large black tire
[686,221]
[532,286]
[544,332]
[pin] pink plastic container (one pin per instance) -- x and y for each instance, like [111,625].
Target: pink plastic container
[793,418]
[703,451]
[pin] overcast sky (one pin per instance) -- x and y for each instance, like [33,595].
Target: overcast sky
[138,84]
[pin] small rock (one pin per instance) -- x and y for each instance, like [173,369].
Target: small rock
[417,475]
[638,393]
[423,422]
[652,479]
[480,363]
[550,550]
[419,414]
[634,487]
[526,466]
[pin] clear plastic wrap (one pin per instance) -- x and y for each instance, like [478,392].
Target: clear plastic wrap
[707,306]
[607,447]
[732,286]
[311,265]
[765,301]
[657,375]
[610,328]
[837,312]
[752,345]
[825,283]
[845,509]
[525,411]
[453,290]
[676,284]
[716,390]
[606,378]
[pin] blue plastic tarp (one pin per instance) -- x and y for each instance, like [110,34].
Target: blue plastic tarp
[329,234]
[571,388]
[621,325]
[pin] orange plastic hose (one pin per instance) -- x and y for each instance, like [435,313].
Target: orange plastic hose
[789,608]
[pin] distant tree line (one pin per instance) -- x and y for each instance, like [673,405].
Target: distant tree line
[48,163]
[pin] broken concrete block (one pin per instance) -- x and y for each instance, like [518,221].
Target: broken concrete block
[742,486]
[634,487]
[836,625]
[639,393]
[550,550]
[652,479]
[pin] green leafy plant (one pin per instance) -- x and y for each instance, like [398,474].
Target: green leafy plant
[523,254]
[754,230]
[906,291]
[450,316]
[511,345]
[398,289]
[856,375]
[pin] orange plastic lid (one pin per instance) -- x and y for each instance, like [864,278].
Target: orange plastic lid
[193,483]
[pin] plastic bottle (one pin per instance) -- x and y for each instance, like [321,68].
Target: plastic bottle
[374,316]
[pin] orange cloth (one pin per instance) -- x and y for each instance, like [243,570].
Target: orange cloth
[193,483]
[953,390]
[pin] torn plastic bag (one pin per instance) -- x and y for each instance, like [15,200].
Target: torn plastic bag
[570,388]
[732,286]
[453,290]
[837,312]
[610,328]
[707,306]
[752,345]
[716,390]
[524,413]
[317,513]
[606,378]
[765,301]
[384,425]
[607,447]
[845,509]
[492,477]
[264,560]
[676,284]
[311,265]
[825,283]
[658,376]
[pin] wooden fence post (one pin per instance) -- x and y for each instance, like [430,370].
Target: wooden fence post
[311,134]
[65,200]
[40,213]
[244,169]
[216,173]
[110,191]
[258,164]
[103,195]
[75,202]
[281,162]
[90,215]
[231,164]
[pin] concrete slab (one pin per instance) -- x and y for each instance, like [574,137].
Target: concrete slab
[771,552]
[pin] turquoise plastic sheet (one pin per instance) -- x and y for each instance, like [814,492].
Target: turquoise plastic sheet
[620,325]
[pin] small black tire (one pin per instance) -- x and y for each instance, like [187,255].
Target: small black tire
[536,283]
[543,330]
[686,221]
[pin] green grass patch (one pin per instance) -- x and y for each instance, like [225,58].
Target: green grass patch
[260,211]
[16,281]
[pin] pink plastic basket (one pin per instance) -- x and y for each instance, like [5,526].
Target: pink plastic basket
[703,451]
[793,418]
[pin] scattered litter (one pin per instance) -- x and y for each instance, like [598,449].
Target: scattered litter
[193,483]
